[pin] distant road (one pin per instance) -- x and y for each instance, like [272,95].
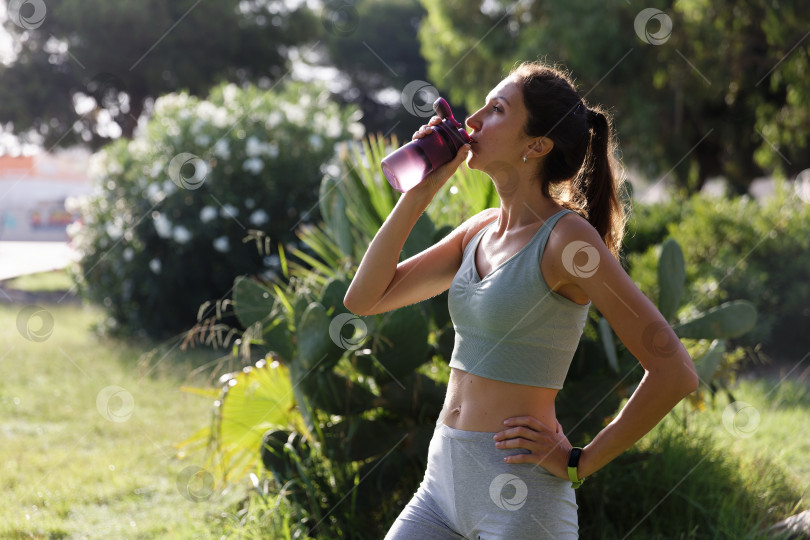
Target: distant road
[21,258]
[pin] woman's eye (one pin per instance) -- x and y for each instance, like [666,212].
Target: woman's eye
[496,108]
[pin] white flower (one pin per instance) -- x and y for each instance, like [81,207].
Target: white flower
[222,244]
[181,235]
[272,150]
[128,254]
[273,119]
[229,211]
[259,217]
[155,265]
[202,140]
[272,261]
[222,149]
[162,225]
[253,147]
[169,187]
[208,213]
[114,230]
[253,165]
[154,193]
[316,141]
[230,93]
[156,169]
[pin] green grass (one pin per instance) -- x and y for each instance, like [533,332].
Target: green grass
[720,474]
[68,471]
[57,280]
[74,466]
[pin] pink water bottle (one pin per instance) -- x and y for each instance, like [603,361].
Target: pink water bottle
[407,166]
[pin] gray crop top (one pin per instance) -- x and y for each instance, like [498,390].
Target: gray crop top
[510,326]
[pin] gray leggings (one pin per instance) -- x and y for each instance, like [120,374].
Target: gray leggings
[469,492]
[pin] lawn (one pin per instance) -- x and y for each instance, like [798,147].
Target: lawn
[88,429]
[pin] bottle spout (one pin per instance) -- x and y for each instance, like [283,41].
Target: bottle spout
[442,109]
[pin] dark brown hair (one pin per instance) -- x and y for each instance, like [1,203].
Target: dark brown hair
[580,166]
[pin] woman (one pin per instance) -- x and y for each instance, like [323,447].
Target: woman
[522,278]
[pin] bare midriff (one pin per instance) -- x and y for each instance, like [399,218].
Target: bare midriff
[475,403]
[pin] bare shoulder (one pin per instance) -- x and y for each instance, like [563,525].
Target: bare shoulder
[574,249]
[572,227]
[473,225]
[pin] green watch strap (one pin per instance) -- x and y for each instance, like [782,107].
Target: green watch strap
[573,463]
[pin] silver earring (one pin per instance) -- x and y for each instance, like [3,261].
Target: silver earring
[524,159]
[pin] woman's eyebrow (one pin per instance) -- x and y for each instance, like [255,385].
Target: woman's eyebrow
[499,97]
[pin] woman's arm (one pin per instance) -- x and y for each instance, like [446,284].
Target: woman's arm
[669,373]
[381,284]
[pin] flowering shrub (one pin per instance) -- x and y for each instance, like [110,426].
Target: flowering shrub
[165,228]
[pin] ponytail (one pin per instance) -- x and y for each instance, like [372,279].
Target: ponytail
[598,184]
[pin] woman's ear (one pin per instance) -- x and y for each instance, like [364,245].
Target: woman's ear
[540,147]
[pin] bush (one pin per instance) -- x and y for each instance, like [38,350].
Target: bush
[741,249]
[163,231]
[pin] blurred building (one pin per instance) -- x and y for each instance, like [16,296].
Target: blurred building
[33,190]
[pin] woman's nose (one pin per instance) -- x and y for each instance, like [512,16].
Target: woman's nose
[472,122]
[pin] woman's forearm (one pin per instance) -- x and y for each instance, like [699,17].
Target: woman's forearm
[379,264]
[654,397]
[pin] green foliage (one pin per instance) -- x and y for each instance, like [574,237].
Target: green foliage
[113,58]
[158,239]
[368,408]
[742,249]
[723,94]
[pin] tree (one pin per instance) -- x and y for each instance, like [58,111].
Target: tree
[86,70]
[698,89]
[374,45]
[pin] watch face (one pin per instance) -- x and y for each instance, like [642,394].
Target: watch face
[573,457]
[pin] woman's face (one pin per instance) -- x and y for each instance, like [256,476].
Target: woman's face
[498,137]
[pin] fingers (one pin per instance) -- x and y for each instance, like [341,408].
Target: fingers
[529,421]
[427,129]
